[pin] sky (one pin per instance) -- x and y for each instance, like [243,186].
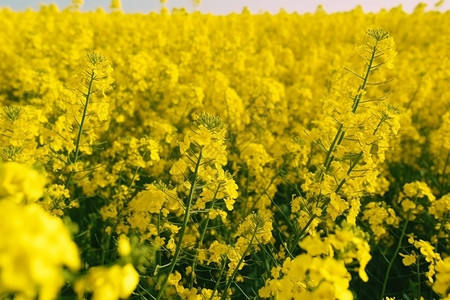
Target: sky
[222,7]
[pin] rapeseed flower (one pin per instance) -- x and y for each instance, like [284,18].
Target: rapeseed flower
[108,283]
[35,247]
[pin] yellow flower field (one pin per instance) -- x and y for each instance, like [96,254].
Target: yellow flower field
[179,155]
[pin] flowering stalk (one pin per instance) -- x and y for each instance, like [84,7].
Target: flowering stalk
[80,130]
[340,134]
[377,35]
[216,286]
[397,249]
[233,275]
[202,236]
[97,70]
[418,276]
[183,227]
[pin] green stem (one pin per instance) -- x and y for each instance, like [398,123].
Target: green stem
[397,249]
[263,193]
[363,86]
[207,219]
[300,235]
[158,228]
[350,169]
[340,134]
[183,228]
[379,124]
[328,158]
[224,263]
[418,275]
[105,247]
[80,130]
[230,280]
[202,236]
[439,231]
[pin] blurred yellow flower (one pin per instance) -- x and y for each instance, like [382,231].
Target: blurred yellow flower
[123,245]
[34,248]
[108,283]
[20,182]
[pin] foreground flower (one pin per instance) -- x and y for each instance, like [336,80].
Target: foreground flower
[34,248]
[108,283]
[20,182]
[442,285]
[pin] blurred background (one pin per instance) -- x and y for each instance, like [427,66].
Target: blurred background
[221,7]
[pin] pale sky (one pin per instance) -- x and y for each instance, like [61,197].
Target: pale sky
[228,6]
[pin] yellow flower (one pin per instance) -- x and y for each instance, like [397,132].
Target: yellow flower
[149,200]
[442,284]
[124,245]
[108,283]
[20,182]
[440,207]
[115,4]
[418,189]
[409,259]
[315,246]
[171,245]
[408,205]
[76,4]
[174,278]
[216,251]
[34,248]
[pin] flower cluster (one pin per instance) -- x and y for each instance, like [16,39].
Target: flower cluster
[35,246]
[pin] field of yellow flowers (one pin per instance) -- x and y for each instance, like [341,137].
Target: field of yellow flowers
[179,155]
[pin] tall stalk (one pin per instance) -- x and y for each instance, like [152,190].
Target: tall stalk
[233,275]
[337,140]
[80,130]
[202,236]
[391,263]
[183,228]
